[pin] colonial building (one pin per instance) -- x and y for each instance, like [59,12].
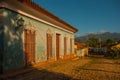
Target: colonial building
[81,49]
[29,34]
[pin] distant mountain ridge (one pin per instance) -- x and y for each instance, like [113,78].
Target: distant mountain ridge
[102,36]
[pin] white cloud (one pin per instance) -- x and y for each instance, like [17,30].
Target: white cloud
[100,32]
[103,31]
[91,33]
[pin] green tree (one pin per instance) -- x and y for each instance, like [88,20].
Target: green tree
[93,42]
[110,41]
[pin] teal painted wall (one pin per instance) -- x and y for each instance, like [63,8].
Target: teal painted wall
[14,56]
[41,30]
[13,42]
[1,39]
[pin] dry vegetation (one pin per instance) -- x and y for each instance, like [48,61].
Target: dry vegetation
[75,69]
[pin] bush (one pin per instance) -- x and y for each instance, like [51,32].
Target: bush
[113,53]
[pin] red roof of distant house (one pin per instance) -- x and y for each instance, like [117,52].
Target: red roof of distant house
[80,45]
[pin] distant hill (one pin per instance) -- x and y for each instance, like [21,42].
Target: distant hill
[102,36]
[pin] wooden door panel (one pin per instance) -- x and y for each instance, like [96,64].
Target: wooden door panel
[29,46]
[70,45]
[48,50]
[49,46]
[65,45]
[57,46]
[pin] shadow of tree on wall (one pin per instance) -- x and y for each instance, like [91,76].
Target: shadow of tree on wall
[40,74]
[13,56]
[1,41]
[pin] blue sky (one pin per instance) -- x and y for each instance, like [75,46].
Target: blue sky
[88,16]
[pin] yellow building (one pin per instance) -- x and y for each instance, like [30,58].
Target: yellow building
[117,46]
[81,49]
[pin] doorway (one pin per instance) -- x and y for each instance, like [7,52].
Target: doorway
[29,47]
[71,45]
[65,45]
[49,46]
[57,46]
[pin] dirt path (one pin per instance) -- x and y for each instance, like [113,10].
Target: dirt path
[75,69]
[99,69]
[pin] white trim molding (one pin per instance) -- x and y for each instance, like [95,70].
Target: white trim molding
[4,5]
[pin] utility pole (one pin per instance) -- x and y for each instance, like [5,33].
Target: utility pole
[100,45]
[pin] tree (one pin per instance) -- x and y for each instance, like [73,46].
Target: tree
[110,41]
[93,42]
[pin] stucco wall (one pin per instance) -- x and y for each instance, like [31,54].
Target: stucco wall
[14,56]
[1,39]
[41,31]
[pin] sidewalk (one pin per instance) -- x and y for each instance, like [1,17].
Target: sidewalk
[25,70]
[6,76]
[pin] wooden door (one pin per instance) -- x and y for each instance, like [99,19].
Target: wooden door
[65,45]
[57,46]
[49,46]
[30,47]
[71,45]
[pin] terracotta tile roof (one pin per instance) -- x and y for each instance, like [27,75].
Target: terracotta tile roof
[40,9]
[80,45]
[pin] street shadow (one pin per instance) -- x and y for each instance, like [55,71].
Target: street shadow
[102,57]
[96,56]
[112,63]
[99,70]
[39,74]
